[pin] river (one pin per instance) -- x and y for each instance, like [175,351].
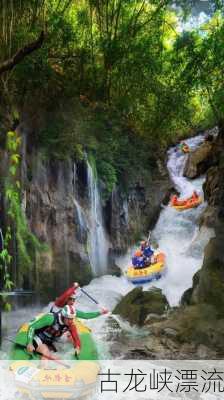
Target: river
[176,233]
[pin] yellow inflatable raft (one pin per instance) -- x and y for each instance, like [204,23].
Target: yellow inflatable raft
[61,383]
[153,271]
[73,380]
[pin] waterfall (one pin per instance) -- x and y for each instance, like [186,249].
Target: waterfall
[80,215]
[98,244]
[177,234]
[125,208]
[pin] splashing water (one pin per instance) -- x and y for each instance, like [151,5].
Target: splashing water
[177,235]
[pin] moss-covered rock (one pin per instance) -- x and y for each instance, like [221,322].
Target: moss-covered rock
[136,305]
[199,324]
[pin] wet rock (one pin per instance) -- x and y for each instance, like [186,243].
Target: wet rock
[214,195]
[199,160]
[212,185]
[211,283]
[140,354]
[170,332]
[136,305]
[203,351]
[209,217]
[151,318]
[114,270]
[186,297]
[186,334]
[53,216]
[199,324]
[130,215]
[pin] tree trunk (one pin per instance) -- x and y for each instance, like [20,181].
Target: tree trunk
[9,64]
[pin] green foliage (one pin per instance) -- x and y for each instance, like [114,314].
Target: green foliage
[92,163]
[114,79]
[108,175]
[27,243]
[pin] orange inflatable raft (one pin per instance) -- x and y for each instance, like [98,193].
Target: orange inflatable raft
[181,205]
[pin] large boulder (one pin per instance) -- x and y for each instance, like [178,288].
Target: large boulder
[137,305]
[213,188]
[199,160]
[199,324]
[211,283]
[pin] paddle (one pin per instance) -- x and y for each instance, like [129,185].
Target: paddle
[108,313]
[96,302]
[90,297]
[149,236]
[37,352]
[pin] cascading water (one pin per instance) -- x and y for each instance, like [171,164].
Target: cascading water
[177,235]
[98,244]
[81,218]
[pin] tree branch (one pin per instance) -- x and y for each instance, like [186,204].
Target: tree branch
[9,64]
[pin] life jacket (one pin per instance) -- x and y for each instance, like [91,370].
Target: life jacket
[148,252]
[134,261]
[56,330]
[140,262]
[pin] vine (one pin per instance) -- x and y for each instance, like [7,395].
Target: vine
[17,226]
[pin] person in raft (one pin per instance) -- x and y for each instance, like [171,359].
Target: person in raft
[41,333]
[174,200]
[148,253]
[195,195]
[138,261]
[68,297]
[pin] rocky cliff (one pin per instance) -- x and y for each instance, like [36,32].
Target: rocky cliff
[57,204]
[134,212]
[209,288]
[201,318]
[195,329]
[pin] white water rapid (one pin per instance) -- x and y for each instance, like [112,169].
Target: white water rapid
[177,235]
